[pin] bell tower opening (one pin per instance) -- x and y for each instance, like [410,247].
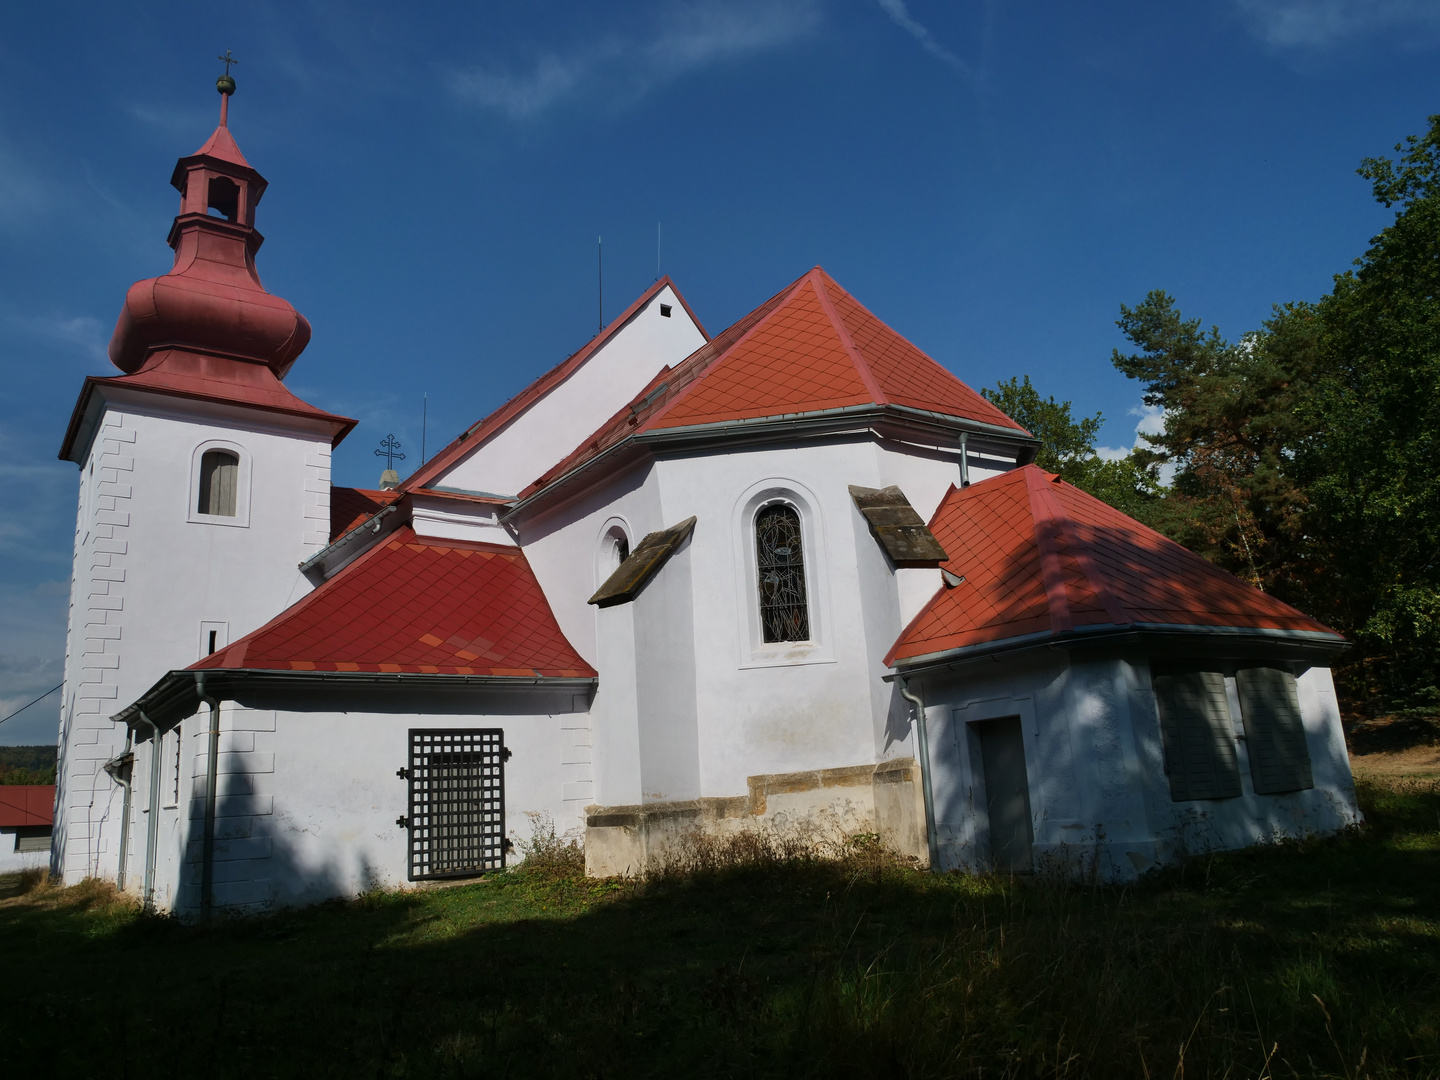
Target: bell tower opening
[224,198]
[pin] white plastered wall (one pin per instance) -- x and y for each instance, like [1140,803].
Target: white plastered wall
[512,458]
[308,800]
[1099,797]
[690,702]
[151,577]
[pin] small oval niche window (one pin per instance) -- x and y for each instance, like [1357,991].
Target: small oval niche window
[219,478]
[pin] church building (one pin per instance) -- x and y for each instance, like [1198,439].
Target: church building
[792,575]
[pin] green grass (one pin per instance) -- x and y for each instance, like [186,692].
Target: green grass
[1313,959]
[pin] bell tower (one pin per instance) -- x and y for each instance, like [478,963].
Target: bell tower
[204,484]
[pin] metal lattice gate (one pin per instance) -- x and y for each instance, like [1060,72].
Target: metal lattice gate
[457,802]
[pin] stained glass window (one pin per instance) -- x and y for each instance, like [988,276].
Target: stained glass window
[784,615]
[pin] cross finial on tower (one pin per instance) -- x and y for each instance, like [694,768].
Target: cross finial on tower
[390,451]
[226,85]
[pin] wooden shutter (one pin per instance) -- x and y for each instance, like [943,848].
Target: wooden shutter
[219,478]
[1270,707]
[1195,729]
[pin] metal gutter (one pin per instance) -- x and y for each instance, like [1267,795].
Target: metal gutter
[819,423]
[1304,641]
[174,696]
[152,825]
[370,525]
[922,745]
[212,776]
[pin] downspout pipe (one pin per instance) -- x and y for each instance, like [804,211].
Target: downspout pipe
[121,771]
[922,739]
[152,830]
[964,460]
[212,769]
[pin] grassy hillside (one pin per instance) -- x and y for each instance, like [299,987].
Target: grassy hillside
[1315,959]
[27,764]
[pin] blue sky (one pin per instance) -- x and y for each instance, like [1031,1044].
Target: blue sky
[992,179]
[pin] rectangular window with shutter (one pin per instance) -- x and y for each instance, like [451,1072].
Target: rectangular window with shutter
[1196,731]
[1274,735]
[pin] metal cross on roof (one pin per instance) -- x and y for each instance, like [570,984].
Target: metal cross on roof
[227,59]
[390,451]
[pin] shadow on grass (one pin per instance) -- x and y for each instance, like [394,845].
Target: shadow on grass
[1309,957]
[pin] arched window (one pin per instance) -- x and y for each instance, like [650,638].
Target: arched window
[219,480]
[784,613]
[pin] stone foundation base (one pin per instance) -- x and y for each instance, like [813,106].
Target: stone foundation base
[884,799]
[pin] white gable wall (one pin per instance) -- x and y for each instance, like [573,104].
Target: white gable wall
[552,427]
[151,577]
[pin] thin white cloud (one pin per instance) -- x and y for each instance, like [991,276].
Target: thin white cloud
[75,332]
[173,120]
[1314,24]
[688,37]
[23,195]
[900,16]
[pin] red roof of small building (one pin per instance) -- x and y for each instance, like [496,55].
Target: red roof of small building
[24,805]
[350,506]
[1040,556]
[419,606]
[810,348]
[539,388]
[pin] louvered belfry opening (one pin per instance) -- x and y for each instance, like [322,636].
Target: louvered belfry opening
[219,480]
[457,802]
[784,612]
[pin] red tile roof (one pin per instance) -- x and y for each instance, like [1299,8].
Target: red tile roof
[1040,556]
[819,348]
[438,607]
[811,347]
[539,388]
[350,506]
[185,374]
[26,804]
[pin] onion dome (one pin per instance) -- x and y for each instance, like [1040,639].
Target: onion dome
[212,300]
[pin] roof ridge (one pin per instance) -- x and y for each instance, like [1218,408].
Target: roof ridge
[520,402]
[818,278]
[1080,548]
[1046,532]
[785,297]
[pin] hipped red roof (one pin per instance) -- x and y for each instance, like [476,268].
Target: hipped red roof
[810,348]
[222,146]
[24,805]
[418,606]
[1040,556]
